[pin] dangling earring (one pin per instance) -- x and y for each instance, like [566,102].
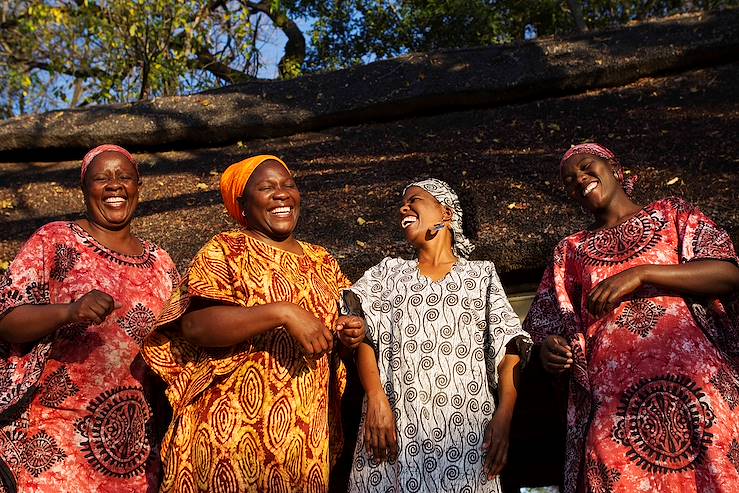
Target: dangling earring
[243,213]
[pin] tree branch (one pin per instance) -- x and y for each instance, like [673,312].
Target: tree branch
[295,47]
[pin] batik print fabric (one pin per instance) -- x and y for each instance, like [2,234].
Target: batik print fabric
[76,407]
[438,346]
[257,416]
[654,392]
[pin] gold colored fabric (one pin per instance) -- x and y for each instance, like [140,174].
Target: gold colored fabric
[257,416]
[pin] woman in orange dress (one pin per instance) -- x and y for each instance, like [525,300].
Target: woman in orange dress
[246,347]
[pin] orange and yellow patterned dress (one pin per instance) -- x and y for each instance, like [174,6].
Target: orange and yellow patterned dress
[256,416]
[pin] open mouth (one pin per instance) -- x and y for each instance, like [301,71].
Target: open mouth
[281,211]
[407,221]
[591,186]
[115,201]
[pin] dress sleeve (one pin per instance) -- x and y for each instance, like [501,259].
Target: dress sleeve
[698,236]
[503,326]
[26,282]
[554,309]
[369,289]
[208,276]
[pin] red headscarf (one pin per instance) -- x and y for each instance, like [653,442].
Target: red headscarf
[604,153]
[234,180]
[92,154]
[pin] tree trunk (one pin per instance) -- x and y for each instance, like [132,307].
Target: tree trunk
[576,12]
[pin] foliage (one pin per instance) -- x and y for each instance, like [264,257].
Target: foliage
[348,32]
[67,53]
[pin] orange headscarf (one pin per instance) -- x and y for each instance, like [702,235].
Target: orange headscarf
[234,180]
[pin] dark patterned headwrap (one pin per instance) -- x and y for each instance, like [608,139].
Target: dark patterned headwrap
[442,192]
[604,153]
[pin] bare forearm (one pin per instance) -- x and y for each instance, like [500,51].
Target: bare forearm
[369,373]
[508,372]
[223,326]
[700,277]
[29,323]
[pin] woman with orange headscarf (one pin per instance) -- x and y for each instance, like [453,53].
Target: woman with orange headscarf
[245,345]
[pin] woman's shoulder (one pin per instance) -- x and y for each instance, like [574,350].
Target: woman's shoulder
[56,228]
[676,204]
[389,266]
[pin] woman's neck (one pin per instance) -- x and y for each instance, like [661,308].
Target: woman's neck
[289,243]
[437,251]
[119,240]
[616,212]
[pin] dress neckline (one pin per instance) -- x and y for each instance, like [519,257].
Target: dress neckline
[282,250]
[121,258]
[456,267]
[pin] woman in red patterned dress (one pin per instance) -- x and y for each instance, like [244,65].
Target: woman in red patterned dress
[75,306]
[636,311]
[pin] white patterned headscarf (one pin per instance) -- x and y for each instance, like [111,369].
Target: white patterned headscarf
[442,192]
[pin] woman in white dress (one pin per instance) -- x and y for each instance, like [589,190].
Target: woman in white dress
[442,340]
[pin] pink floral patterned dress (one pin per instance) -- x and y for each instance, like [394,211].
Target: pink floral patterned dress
[654,389]
[75,407]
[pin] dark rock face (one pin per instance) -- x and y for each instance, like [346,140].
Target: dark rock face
[414,85]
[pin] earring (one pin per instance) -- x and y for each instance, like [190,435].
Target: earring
[243,213]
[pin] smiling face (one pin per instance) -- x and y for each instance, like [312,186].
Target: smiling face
[419,214]
[111,189]
[590,181]
[271,201]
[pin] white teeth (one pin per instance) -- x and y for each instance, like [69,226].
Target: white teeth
[407,221]
[589,188]
[281,210]
[114,200]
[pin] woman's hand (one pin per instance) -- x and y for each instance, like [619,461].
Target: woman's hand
[314,338]
[495,444]
[556,354]
[606,295]
[380,435]
[94,307]
[351,330]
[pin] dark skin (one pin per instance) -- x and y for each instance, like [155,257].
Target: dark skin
[111,193]
[271,204]
[420,213]
[610,206]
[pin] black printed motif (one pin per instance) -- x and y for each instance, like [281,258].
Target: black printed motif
[726,384]
[65,258]
[599,477]
[137,322]
[641,316]
[116,432]
[625,241]
[41,452]
[57,388]
[664,423]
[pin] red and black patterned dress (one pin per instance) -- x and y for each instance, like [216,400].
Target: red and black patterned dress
[654,389]
[75,407]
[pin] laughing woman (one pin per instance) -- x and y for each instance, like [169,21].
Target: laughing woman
[75,305]
[245,345]
[442,338]
[630,309]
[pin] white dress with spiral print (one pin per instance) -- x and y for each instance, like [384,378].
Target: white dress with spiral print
[438,346]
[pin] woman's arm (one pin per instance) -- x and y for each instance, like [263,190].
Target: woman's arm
[380,435]
[699,277]
[29,323]
[495,444]
[211,325]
